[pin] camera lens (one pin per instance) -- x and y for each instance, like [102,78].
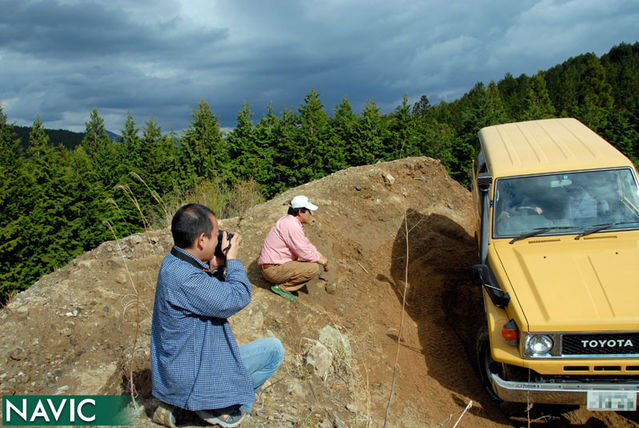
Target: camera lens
[218,247]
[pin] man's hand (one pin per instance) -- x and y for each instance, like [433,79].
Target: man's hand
[324,262]
[235,245]
[232,251]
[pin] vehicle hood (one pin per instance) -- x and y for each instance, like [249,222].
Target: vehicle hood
[563,284]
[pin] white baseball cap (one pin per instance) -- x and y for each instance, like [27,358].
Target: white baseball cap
[302,201]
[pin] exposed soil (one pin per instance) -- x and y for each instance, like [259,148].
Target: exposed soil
[85,329]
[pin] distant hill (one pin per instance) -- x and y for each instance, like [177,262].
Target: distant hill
[57,137]
[113,136]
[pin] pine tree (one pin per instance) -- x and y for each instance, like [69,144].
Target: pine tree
[372,132]
[132,148]
[266,144]
[422,107]
[245,157]
[402,132]
[46,240]
[594,99]
[161,165]
[312,149]
[344,125]
[98,146]
[16,200]
[204,154]
[286,154]
[536,101]
[434,139]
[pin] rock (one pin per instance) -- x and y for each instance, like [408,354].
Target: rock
[296,390]
[351,408]
[325,424]
[23,310]
[74,313]
[256,320]
[18,354]
[335,341]
[120,277]
[338,423]
[389,179]
[61,390]
[320,358]
[86,263]
[331,287]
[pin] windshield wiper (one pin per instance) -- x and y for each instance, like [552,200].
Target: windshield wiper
[599,227]
[538,231]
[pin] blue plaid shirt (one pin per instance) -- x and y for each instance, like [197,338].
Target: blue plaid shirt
[195,360]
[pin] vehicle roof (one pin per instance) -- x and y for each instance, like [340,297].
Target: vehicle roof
[547,145]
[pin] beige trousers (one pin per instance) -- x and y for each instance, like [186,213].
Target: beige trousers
[290,276]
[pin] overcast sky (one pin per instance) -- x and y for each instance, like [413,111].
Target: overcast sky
[61,58]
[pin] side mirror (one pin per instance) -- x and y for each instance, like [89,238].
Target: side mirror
[480,274]
[482,277]
[484,180]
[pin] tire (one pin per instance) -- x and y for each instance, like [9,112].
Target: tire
[484,363]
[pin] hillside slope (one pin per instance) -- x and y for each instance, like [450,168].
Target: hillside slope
[85,328]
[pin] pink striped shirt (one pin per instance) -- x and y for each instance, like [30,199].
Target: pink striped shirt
[287,242]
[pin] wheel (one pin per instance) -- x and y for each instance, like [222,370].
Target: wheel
[485,362]
[487,365]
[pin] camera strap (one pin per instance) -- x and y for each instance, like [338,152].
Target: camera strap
[190,260]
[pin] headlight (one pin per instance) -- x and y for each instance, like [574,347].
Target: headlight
[538,345]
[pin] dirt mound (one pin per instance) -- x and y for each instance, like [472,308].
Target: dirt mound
[386,228]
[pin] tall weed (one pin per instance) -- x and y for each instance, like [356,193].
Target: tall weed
[225,201]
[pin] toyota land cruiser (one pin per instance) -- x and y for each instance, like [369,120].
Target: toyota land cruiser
[558,237]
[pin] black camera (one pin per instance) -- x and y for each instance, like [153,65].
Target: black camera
[219,252]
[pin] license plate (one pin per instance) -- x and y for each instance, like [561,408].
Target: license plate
[612,400]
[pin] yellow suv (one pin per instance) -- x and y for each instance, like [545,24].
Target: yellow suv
[558,236]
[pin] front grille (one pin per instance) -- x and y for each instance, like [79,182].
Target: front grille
[600,344]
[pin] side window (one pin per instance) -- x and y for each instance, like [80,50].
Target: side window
[629,190]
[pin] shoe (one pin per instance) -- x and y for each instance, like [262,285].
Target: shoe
[226,420]
[285,294]
[163,415]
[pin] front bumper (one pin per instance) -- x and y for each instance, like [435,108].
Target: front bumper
[553,393]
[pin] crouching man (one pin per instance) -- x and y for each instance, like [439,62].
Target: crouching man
[288,258]
[196,363]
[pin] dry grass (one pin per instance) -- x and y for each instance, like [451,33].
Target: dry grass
[242,196]
[225,201]
[135,303]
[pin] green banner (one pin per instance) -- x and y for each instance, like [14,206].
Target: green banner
[69,410]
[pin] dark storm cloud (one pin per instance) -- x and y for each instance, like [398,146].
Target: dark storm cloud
[86,30]
[61,58]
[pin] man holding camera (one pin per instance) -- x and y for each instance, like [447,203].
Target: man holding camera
[195,360]
[288,259]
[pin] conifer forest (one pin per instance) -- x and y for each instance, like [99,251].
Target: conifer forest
[59,199]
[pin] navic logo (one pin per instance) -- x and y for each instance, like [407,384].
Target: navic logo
[51,410]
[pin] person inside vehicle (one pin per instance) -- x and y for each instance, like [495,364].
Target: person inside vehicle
[580,203]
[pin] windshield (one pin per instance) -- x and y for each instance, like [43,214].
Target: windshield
[573,202]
